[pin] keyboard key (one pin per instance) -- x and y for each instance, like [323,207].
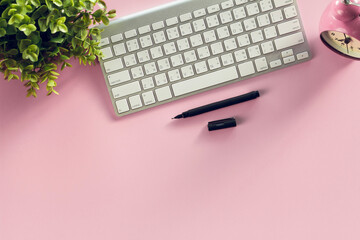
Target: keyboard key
[223,32]
[217,48]
[174,75]
[236,28]
[270,32]
[226,17]
[183,44]
[254,51]
[113,65]
[132,45]
[200,13]
[147,83]
[143,56]
[288,60]
[163,64]
[119,49]
[159,37]
[146,41]
[227,59]
[126,89]
[117,38]
[239,13]
[122,106]
[190,56]
[185,17]
[203,52]
[266,5]
[230,44]
[130,60]
[243,40]
[281,3]
[148,98]
[172,21]
[276,16]
[170,48]
[287,53]
[212,21]
[160,79]
[172,33]
[107,53]
[156,52]
[214,63]
[209,36]
[137,72]
[196,40]
[150,68]
[302,55]
[199,25]
[135,102]
[177,60]
[252,9]
[275,64]
[186,29]
[227,4]
[144,29]
[246,69]
[158,25]
[289,41]
[263,20]
[239,2]
[261,64]
[104,42]
[130,34]
[288,27]
[119,77]
[204,81]
[187,71]
[213,8]
[163,93]
[240,55]
[267,47]
[201,67]
[290,12]
[250,24]
[257,36]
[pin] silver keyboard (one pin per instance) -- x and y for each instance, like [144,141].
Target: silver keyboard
[192,46]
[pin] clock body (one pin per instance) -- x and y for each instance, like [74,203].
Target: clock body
[340,28]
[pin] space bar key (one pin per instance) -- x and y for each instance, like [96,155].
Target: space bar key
[204,81]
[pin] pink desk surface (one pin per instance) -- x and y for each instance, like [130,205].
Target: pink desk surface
[291,169]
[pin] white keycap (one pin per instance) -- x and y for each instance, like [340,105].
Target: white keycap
[288,60]
[276,16]
[117,38]
[146,41]
[158,25]
[226,17]
[163,93]
[254,51]
[163,64]
[148,98]
[186,29]
[223,32]
[196,40]
[190,56]
[200,13]
[261,64]
[137,72]
[185,17]
[177,60]
[267,47]
[239,13]
[119,49]
[227,4]
[199,25]
[160,79]
[213,8]
[130,60]
[266,5]
[204,81]
[240,55]
[230,44]
[252,9]
[126,89]
[143,56]
[203,52]
[150,68]
[302,55]
[122,106]
[131,33]
[169,48]
[246,68]
[144,29]
[281,3]
[217,48]
[289,41]
[214,63]
[172,21]
[174,75]
[132,45]
[263,20]
[270,32]
[173,33]
[290,12]
[275,64]
[119,77]
[288,27]
[147,83]
[156,52]
[159,37]
[257,36]
[239,2]
[187,71]
[183,44]
[104,42]
[201,67]
[212,21]
[227,59]
[250,24]
[243,40]
[107,53]
[287,53]
[135,102]
[113,65]
[236,28]
[209,36]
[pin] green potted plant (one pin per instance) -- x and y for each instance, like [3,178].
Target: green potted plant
[38,36]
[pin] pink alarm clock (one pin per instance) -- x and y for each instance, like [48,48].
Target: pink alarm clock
[340,27]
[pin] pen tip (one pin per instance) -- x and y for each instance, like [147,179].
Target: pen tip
[178,116]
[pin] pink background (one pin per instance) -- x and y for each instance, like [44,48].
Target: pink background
[291,170]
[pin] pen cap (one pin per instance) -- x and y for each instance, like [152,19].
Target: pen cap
[222,124]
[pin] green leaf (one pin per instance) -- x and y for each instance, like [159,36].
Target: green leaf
[3,23]
[31,53]
[24,44]
[105,20]
[57,40]
[57,3]
[27,28]
[68,3]
[42,24]
[13,51]
[2,32]
[98,13]
[63,28]
[36,3]
[39,12]
[102,4]
[16,18]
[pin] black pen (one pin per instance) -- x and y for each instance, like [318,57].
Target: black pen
[217,105]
